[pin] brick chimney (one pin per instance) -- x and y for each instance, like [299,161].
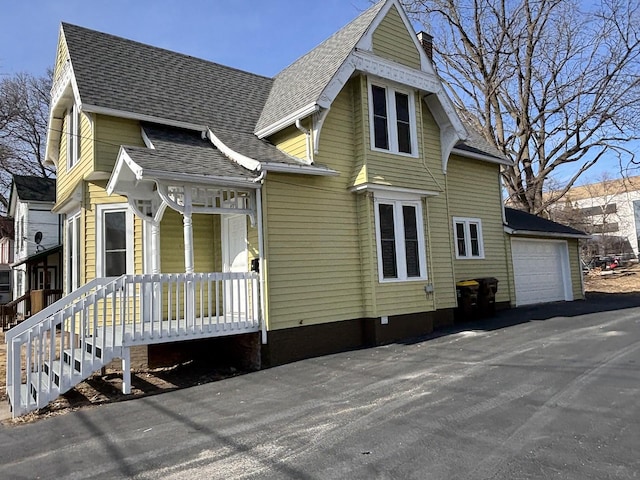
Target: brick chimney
[427,43]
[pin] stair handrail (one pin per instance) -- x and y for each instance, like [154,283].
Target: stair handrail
[43,314]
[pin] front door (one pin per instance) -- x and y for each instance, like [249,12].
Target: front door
[235,259]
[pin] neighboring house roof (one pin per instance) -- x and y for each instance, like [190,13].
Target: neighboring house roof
[302,82]
[524,223]
[35,189]
[38,256]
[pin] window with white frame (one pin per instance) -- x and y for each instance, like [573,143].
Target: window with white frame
[468,237]
[115,240]
[400,239]
[72,253]
[73,136]
[392,119]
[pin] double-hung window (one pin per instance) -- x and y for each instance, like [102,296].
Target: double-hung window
[73,136]
[392,120]
[400,239]
[468,237]
[72,254]
[115,240]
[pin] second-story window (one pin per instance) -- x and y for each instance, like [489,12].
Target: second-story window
[73,136]
[392,119]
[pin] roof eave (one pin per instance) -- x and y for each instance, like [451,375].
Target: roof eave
[484,158]
[289,120]
[512,231]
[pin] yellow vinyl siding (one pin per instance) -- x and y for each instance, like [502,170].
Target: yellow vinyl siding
[291,141]
[206,236]
[397,298]
[392,41]
[95,194]
[360,109]
[111,133]
[62,55]
[314,267]
[474,191]
[68,180]
[576,269]
[422,172]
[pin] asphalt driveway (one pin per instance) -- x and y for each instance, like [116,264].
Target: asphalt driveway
[545,392]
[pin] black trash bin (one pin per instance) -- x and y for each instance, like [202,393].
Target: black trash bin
[467,291]
[487,288]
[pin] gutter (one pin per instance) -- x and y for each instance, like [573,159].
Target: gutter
[288,120]
[479,156]
[511,231]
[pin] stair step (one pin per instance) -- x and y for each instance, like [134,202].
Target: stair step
[36,393]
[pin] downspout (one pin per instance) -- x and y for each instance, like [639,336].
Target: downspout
[263,324]
[307,139]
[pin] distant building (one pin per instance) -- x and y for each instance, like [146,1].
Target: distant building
[609,210]
[38,235]
[6,258]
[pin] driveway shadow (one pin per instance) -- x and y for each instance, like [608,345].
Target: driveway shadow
[595,302]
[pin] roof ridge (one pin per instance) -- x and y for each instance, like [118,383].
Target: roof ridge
[153,47]
[330,37]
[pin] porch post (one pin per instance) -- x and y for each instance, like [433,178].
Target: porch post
[188,256]
[188,232]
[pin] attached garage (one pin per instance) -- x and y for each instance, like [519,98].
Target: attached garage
[541,271]
[545,259]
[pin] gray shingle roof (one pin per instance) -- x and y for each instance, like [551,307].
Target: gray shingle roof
[302,82]
[524,221]
[171,144]
[475,143]
[35,189]
[121,74]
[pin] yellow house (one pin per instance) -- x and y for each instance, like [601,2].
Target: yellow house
[333,206]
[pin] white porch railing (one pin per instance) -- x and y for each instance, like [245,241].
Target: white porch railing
[65,343]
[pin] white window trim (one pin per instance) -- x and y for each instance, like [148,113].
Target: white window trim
[398,200]
[70,244]
[467,237]
[392,128]
[73,136]
[129,232]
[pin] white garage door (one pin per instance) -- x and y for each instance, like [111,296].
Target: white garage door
[541,271]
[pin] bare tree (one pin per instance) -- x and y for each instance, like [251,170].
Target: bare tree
[549,83]
[24,113]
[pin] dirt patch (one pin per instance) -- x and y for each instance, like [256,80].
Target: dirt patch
[106,387]
[619,280]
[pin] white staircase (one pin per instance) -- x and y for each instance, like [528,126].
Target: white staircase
[64,344]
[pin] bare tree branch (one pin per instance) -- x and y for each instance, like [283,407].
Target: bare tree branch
[548,82]
[24,112]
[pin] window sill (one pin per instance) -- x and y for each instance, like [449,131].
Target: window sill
[391,152]
[402,280]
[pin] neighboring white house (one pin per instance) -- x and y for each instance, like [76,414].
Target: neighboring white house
[38,235]
[610,211]
[6,258]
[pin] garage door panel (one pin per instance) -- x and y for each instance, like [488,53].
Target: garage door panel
[540,272]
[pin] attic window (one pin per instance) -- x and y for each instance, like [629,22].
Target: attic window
[392,119]
[73,136]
